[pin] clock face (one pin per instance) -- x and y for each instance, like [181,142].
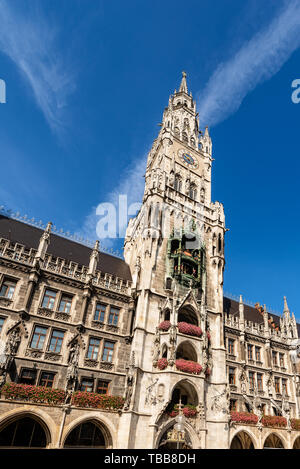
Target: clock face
[187,159]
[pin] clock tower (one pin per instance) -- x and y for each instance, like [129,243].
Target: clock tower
[175,249]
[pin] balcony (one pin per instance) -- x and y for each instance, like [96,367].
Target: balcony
[44,395]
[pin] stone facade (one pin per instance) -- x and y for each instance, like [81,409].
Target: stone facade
[153,331]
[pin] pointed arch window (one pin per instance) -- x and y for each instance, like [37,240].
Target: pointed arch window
[193,191]
[177,183]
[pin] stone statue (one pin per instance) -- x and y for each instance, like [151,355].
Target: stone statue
[72,370]
[156,346]
[13,342]
[243,380]
[130,382]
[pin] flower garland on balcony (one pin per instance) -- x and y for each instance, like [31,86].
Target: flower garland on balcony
[46,395]
[164,326]
[162,363]
[33,393]
[274,421]
[188,410]
[98,401]
[189,329]
[188,366]
[295,424]
[244,417]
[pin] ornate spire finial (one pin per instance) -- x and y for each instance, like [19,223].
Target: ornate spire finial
[285,308]
[49,226]
[183,85]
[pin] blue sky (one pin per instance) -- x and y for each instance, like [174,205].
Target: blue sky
[87,82]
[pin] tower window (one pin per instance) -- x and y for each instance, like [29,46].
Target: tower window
[177,183]
[49,299]
[65,303]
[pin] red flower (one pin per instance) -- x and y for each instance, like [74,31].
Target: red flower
[244,417]
[164,326]
[162,363]
[274,421]
[188,366]
[189,329]
[295,423]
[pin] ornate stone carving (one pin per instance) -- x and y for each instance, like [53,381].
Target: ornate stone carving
[5,301]
[33,353]
[62,316]
[90,363]
[53,357]
[156,347]
[106,365]
[48,313]
[130,382]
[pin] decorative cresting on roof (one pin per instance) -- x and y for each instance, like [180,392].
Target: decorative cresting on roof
[60,232]
[231,296]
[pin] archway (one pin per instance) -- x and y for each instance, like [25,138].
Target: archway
[89,433]
[166,444]
[187,314]
[186,351]
[242,441]
[296,444]
[273,441]
[24,432]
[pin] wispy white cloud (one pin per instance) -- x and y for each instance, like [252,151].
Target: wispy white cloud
[132,185]
[258,60]
[30,41]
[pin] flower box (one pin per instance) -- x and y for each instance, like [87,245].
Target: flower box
[31,393]
[274,421]
[164,326]
[188,366]
[295,423]
[188,411]
[162,363]
[244,417]
[97,401]
[189,329]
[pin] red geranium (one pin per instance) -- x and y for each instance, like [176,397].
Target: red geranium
[244,417]
[189,329]
[188,366]
[162,363]
[274,421]
[295,423]
[164,326]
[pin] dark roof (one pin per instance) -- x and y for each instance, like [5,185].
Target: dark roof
[29,236]
[250,313]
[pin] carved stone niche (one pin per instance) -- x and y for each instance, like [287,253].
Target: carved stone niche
[90,363]
[106,365]
[33,353]
[53,357]
[45,312]
[62,316]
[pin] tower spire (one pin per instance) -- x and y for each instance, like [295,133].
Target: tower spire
[183,85]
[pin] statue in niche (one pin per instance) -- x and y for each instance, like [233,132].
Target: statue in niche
[130,382]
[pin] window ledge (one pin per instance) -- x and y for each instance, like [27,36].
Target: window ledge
[52,356]
[4,301]
[106,365]
[63,316]
[89,362]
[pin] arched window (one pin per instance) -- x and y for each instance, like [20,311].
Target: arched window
[186,351]
[177,183]
[193,192]
[86,434]
[25,432]
[220,243]
[187,315]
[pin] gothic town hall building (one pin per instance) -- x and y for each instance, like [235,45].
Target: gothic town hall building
[97,351]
